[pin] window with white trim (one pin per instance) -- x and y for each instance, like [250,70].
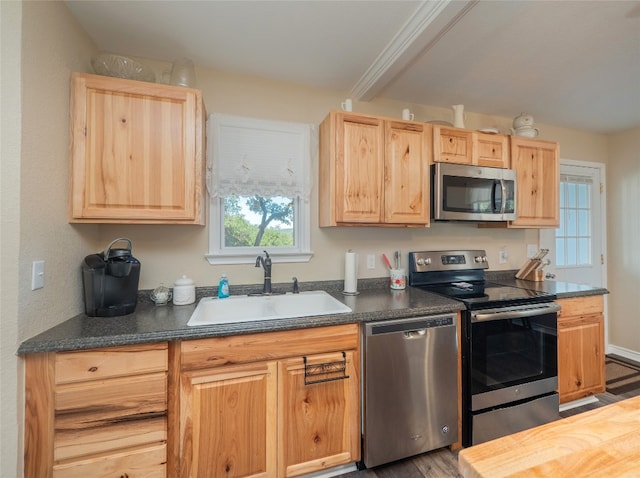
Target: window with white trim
[259,181]
[573,237]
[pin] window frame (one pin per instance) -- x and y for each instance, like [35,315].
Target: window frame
[301,251]
[219,254]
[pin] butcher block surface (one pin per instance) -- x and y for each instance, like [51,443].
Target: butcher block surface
[604,442]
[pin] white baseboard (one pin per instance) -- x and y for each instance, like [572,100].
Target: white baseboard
[578,403]
[622,352]
[336,471]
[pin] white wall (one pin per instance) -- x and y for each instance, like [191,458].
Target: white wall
[41,44]
[10,25]
[623,200]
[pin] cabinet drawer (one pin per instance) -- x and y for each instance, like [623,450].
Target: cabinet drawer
[215,352]
[452,145]
[74,443]
[144,462]
[94,404]
[493,150]
[577,306]
[110,362]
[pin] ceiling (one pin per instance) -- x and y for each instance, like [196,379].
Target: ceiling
[568,63]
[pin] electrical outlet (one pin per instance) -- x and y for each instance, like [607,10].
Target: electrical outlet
[503,256]
[371,261]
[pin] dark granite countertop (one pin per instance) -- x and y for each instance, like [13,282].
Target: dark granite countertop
[151,323]
[561,289]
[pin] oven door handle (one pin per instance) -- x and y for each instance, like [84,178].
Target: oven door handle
[505,313]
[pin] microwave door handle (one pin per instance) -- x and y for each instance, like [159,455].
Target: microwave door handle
[494,202]
[503,187]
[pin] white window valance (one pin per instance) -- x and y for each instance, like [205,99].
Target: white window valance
[249,156]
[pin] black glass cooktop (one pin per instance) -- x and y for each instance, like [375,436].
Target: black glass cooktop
[488,294]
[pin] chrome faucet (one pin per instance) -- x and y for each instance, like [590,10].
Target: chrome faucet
[265,262]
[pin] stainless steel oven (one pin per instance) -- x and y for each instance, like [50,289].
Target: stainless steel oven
[508,347]
[510,370]
[472,193]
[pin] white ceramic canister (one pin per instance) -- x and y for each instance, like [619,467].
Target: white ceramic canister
[184,291]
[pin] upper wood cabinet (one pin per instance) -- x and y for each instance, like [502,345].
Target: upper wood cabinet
[463,146]
[136,153]
[492,150]
[453,145]
[373,171]
[537,167]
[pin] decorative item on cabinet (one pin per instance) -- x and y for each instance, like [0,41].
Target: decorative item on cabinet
[183,73]
[458,116]
[118,66]
[407,115]
[347,105]
[523,126]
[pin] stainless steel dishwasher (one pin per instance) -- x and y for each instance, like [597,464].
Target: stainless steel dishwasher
[410,389]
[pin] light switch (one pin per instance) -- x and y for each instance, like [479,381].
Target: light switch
[37,275]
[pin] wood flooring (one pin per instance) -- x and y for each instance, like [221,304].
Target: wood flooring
[443,463]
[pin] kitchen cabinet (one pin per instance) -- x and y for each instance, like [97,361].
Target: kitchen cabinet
[581,353]
[462,146]
[537,167]
[100,412]
[374,171]
[244,406]
[492,150]
[453,145]
[136,152]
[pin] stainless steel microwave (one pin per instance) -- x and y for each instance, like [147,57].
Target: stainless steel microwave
[472,193]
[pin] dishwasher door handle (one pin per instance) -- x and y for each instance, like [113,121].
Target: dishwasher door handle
[415,334]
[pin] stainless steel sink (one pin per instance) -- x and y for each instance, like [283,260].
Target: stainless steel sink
[243,308]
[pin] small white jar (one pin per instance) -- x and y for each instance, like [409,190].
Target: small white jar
[184,291]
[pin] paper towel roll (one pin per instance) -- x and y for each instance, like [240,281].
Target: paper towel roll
[351,272]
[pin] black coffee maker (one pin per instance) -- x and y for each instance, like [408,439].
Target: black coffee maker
[110,281]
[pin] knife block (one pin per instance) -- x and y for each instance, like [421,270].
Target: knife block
[531,271]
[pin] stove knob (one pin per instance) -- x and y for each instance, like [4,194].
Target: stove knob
[480,259]
[420,261]
[427,261]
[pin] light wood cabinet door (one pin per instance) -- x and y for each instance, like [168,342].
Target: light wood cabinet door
[359,169]
[319,422]
[538,181]
[453,145]
[406,185]
[581,355]
[492,150]
[136,152]
[228,424]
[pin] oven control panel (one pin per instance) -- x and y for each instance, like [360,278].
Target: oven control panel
[427,261]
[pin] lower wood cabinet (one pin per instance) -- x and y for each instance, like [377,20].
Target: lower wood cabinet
[245,405]
[97,413]
[581,353]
